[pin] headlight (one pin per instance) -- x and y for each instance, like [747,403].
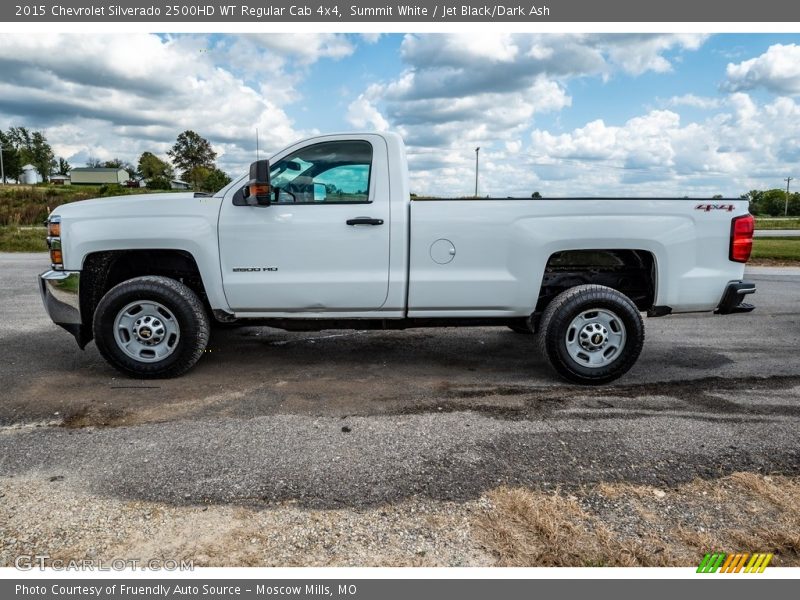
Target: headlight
[54,242]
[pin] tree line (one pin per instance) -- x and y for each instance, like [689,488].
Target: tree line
[192,156]
[773,203]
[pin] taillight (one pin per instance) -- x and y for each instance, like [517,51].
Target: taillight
[741,238]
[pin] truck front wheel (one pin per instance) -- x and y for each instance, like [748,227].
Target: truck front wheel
[591,334]
[151,327]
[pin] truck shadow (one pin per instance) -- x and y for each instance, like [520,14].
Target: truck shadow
[256,371]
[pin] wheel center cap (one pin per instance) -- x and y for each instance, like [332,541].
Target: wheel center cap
[593,337]
[149,330]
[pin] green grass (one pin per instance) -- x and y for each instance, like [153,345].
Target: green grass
[777,223]
[30,204]
[23,239]
[784,250]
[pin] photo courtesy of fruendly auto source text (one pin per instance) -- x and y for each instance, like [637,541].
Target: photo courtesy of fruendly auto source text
[371,301]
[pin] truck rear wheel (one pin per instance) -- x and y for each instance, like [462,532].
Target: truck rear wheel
[591,334]
[151,327]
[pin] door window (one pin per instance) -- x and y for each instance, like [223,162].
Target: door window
[330,172]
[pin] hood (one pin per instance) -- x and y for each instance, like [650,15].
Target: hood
[136,205]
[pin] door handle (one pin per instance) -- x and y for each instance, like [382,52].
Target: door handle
[364,221]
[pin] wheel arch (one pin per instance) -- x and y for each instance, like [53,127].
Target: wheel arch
[104,269]
[633,272]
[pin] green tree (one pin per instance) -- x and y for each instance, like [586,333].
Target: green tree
[754,196]
[12,162]
[717,197]
[196,177]
[63,166]
[42,156]
[150,166]
[94,163]
[794,204]
[33,149]
[158,183]
[116,163]
[20,138]
[536,196]
[772,202]
[215,181]
[193,155]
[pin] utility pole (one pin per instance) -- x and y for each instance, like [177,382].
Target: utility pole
[786,204]
[478,149]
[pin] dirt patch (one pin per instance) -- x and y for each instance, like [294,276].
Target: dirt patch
[43,515]
[518,402]
[628,525]
[771,262]
[604,525]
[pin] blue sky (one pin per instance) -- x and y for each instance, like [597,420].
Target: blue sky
[563,114]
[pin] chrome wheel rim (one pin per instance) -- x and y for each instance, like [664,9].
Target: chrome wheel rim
[147,331]
[595,338]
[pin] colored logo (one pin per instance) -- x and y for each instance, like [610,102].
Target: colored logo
[734,563]
[710,207]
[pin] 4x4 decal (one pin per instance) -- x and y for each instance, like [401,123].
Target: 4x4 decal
[710,207]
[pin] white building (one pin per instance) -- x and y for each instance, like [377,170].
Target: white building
[97,176]
[60,179]
[30,176]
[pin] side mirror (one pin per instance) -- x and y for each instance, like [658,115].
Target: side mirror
[257,190]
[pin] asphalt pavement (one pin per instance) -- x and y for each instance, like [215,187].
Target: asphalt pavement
[350,419]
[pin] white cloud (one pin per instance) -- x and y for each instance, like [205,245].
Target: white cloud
[777,70]
[370,37]
[459,88]
[638,53]
[361,114]
[695,101]
[459,91]
[309,47]
[117,95]
[656,153]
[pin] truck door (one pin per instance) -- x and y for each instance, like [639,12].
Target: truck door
[323,244]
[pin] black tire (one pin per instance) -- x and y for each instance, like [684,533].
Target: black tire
[186,313]
[558,322]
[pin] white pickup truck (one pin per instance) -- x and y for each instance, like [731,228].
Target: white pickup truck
[325,235]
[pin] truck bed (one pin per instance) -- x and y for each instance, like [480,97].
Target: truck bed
[501,248]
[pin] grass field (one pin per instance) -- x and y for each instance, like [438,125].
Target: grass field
[23,239]
[30,204]
[779,250]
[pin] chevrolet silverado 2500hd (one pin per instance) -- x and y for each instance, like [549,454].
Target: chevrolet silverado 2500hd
[325,235]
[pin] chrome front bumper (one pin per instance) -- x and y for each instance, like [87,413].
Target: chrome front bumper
[60,295]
